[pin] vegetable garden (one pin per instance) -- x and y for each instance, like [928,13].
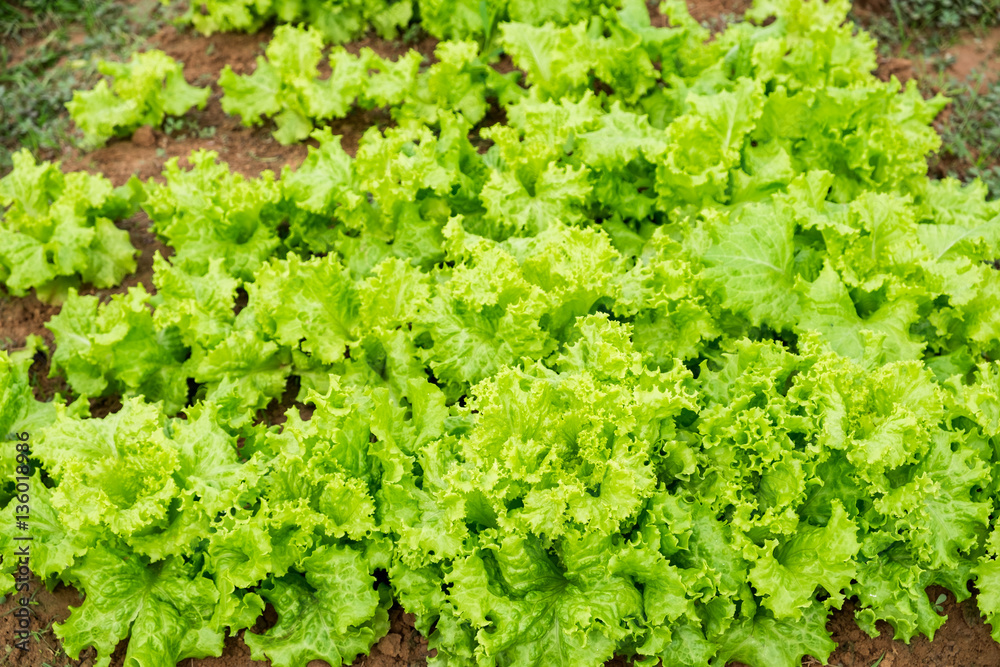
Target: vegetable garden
[610,338]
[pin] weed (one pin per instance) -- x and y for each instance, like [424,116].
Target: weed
[891,37]
[184,127]
[926,26]
[176,126]
[941,61]
[413,34]
[970,135]
[719,23]
[990,176]
[946,14]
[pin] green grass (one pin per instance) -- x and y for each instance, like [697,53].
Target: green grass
[899,36]
[48,49]
[970,136]
[946,14]
[928,24]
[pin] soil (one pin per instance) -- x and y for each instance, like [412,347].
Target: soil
[709,10]
[964,641]
[901,68]
[974,53]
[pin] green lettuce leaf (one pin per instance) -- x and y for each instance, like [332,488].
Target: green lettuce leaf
[146,89]
[333,613]
[58,229]
[114,347]
[166,607]
[209,212]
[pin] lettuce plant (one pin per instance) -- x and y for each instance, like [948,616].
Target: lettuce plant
[58,229]
[340,21]
[144,91]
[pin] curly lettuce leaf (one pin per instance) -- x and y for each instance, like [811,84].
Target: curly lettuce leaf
[58,229]
[146,89]
[208,212]
[165,607]
[333,613]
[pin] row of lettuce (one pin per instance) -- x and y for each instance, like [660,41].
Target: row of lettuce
[670,370]
[340,21]
[297,85]
[286,87]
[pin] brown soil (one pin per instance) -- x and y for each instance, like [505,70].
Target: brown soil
[393,50]
[867,8]
[709,10]
[21,317]
[248,150]
[973,59]
[971,52]
[901,68]
[964,641]
[974,53]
